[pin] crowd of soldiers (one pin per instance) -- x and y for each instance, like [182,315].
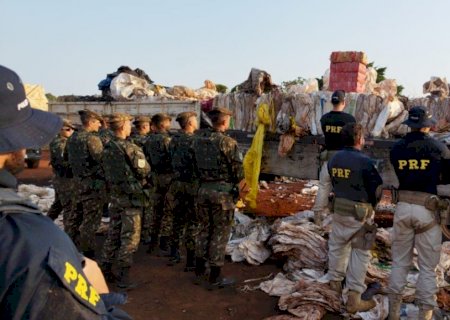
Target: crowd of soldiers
[160,189]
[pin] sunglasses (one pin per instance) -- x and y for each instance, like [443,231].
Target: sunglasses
[68,129]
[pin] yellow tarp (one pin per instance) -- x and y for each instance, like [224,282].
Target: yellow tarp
[36,96]
[252,160]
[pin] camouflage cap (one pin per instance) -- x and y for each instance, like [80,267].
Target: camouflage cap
[160,117]
[184,116]
[217,111]
[88,114]
[141,119]
[118,117]
[67,123]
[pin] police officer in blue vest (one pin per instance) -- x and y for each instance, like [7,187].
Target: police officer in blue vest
[331,123]
[42,275]
[356,185]
[421,163]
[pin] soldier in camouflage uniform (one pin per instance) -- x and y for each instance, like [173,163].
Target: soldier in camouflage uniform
[219,165]
[105,135]
[105,132]
[183,190]
[85,158]
[141,130]
[62,174]
[126,171]
[156,150]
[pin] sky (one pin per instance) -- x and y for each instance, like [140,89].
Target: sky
[69,46]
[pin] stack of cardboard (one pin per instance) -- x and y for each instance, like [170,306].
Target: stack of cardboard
[348,71]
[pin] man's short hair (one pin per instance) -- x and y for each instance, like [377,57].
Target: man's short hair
[159,118]
[183,118]
[86,115]
[351,133]
[217,114]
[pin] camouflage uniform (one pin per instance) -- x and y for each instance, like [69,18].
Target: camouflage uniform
[125,171]
[105,135]
[62,179]
[156,150]
[219,165]
[183,191]
[139,140]
[74,217]
[85,157]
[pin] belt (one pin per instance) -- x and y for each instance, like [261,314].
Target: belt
[420,199]
[413,197]
[345,207]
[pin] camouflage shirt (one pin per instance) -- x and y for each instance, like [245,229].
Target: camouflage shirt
[105,135]
[217,157]
[126,170]
[180,150]
[156,150]
[138,139]
[85,155]
[59,164]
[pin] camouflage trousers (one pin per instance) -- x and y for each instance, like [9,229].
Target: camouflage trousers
[63,198]
[181,200]
[73,218]
[146,221]
[215,219]
[91,203]
[123,235]
[162,218]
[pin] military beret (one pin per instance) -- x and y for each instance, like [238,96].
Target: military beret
[224,111]
[90,114]
[117,117]
[160,117]
[185,116]
[67,123]
[141,119]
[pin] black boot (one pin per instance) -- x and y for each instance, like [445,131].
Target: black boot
[174,256]
[164,250]
[124,281]
[190,261]
[153,243]
[200,271]
[217,281]
[106,268]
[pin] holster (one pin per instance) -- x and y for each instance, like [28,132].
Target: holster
[365,237]
[359,210]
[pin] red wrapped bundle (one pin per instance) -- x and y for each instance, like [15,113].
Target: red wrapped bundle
[348,76]
[348,56]
[348,67]
[347,86]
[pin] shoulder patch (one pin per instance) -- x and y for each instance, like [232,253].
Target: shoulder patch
[74,280]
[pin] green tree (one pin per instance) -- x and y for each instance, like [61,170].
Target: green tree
[299,80]
[221,88]
[51,97]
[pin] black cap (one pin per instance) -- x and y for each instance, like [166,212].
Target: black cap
[21,126]
[338,97]
[419,117]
